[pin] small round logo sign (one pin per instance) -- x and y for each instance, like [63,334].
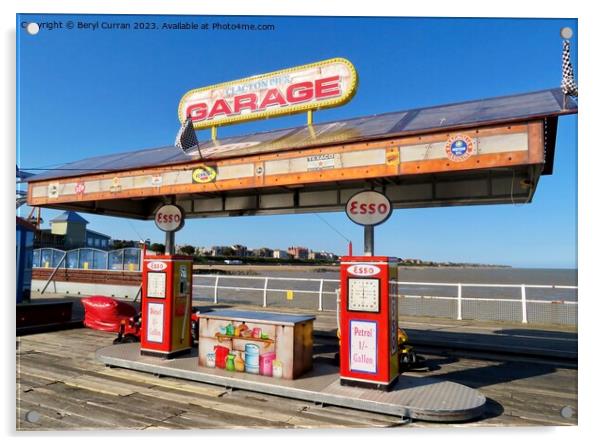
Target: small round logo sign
[80,187]
[368,208]
[459,148]
[203,174]
[169,218]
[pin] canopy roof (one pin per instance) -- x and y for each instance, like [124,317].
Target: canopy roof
[520,107]
[505,145]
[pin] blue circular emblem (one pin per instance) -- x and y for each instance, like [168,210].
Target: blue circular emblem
[459,148]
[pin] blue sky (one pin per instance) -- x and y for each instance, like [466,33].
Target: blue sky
[84,93]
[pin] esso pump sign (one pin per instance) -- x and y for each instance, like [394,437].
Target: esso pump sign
[368,208]
[363,270]
[157,265]
[169,218]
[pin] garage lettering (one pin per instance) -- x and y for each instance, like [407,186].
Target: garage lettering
[320,89]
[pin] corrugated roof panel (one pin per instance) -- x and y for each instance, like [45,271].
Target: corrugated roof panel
[494,110]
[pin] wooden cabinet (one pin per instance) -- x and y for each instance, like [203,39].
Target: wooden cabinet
[289,336]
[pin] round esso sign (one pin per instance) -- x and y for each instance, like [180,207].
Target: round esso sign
[169,218]
[368,208]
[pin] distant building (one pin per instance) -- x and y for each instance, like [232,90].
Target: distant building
[411,261]
[97,240]
[239,250]
[203,251]
[68,231]
[219,250]
[323,256]
[281,254]
[263,252]
[299,253]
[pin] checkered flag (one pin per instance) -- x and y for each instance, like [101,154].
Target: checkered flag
[568,85]
[186,137]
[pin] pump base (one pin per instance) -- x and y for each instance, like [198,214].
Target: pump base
[421,397]
[165,355]
[369,385]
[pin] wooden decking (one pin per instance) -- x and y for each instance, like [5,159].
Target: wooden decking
[59,380]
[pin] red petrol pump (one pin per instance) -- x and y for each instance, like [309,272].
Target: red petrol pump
[369,355]
[166,306]
[368,316]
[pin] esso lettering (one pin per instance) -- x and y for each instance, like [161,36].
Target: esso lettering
[368,209]
[168,218]
[364,270]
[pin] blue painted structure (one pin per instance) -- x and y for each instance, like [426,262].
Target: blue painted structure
[25,235]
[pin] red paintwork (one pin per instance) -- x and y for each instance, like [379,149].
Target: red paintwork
[169,309]
[384,320]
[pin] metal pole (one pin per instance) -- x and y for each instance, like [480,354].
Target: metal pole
[320,295]
[215,290]
[170,237]
[54,272]
[523,294]
[265,292]
[459,301]
[170,243]
[368,240]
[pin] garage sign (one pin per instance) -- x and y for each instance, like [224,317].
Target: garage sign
[324,84]
[368,208]
[169,218]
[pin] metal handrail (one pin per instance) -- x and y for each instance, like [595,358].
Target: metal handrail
[321,292]
[413,283]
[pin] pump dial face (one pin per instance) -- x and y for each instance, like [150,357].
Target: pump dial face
[363,295]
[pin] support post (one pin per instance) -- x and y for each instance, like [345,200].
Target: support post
[170,237]
[459,317]
[320,295]
[265,292]
[523,297]
[368,240]
[215,289]
[170,246]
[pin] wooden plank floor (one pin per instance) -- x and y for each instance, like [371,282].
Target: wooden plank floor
[59,379]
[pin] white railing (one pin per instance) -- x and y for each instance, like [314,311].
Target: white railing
[321,292]
[460,300]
